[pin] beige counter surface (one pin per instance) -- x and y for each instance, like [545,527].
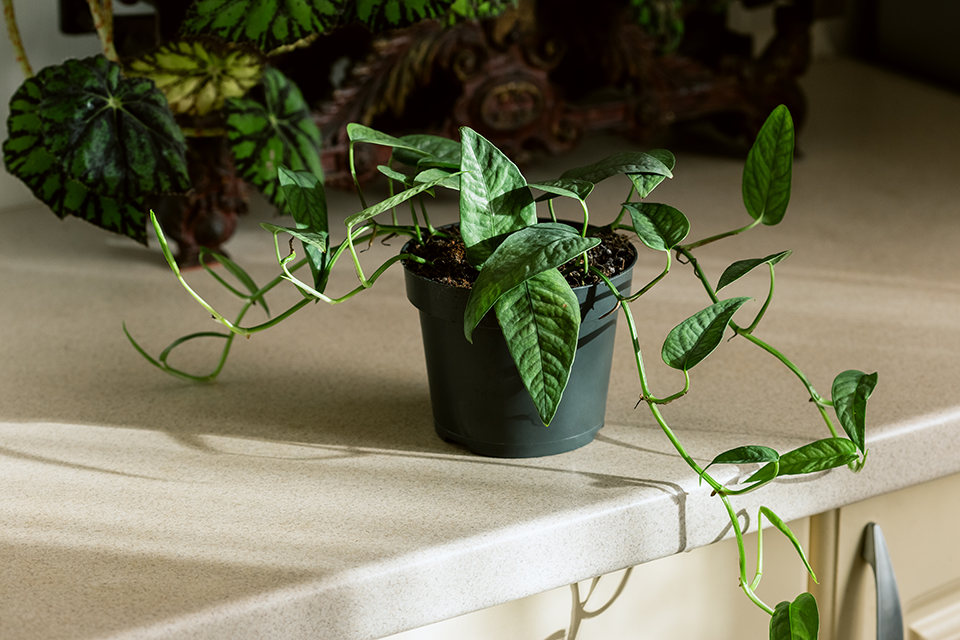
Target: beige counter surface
[305,495]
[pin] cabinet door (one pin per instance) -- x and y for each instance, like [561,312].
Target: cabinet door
[921,527]
[687,596]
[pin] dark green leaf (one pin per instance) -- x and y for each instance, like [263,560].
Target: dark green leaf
[494,198]
[797,620]
[695,338]
[360,133]
[382,15]
[278,132]
[742,267]
[307,203]
[747,454]
[268,24]
[577,189]
[644,183]
[522,255]
[68,170]
[659,226]
[540,319]
[767,173]
[627,162]
[785,530]
[851,390]
[811,458]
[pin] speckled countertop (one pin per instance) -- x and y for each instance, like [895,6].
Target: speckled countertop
[305,494]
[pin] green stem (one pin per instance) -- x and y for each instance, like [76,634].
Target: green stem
[744,584]
[721,236]
[766,303]
[356,179]
[623,210]
[653,282]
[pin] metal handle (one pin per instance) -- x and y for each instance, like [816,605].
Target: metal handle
[889,613]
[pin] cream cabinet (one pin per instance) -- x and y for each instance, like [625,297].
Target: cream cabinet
[687,596]
[921,526]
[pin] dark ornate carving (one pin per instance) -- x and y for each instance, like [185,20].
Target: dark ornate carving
[536,82]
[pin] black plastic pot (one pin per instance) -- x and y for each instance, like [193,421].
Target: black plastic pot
[476,392]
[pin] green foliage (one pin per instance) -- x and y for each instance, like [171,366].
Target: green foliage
[519,261]
[695,338]
[275,132]
[267,24]
[797,620]
[92,144]
[198,74]
[767,174]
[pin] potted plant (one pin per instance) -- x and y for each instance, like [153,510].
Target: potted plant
[519,260]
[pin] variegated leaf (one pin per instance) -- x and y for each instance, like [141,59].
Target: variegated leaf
[277,132]
[198,74]
[269,24]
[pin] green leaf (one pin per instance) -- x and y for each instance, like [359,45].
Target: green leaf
[450,180]
[522,255]
[393,174]
[198,74]
[659,226]
[811,458]
[576,189]
[115,135]
[628,162]
[443,150]
[307,202]
[316,239]
[393,201]
[540,319]
[59,179]
[797,620]
[644,183]
[850,392]
[747,454]
[360,133]
[268,24]
[382,15]
[277,132]
[695,338]
[767,173]
[785,530]
[742,267]
[494,198]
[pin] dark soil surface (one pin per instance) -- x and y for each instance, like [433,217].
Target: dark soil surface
[449,257]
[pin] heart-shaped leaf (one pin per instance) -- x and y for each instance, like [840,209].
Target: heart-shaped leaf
[627,162]
[198,74]
[521,256]
[797,620]
[540,319]
[306,201]
[767,172]
[28,157]
[115,135]
[269,24]
[644,183]
[851,390]
[494,198]
[811,458]
[695,338]
[277,132]
[659,226]
[742,267]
